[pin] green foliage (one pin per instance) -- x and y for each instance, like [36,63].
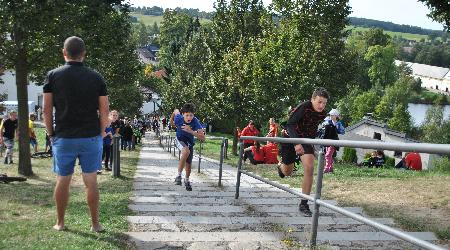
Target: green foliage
[439,11]
[441,164]
[364,103]
[349,155]
[433,126]
[401,119]
[382,70]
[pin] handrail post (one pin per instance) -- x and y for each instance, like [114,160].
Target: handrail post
[238,178]
[116,156]
[170,146]
[200,156]
[226,148]
[174,147]
[315,219]
[222,148]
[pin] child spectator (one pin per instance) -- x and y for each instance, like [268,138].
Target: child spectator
[413,161]
[256,153]
[273,128]
[250,130]
[332,127]
[270,153]
[33,140]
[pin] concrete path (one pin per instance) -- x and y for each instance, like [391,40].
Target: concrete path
[264,217]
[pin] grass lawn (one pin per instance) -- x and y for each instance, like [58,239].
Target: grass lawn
[27,209]
[149,20]
[418,201]
[409,36]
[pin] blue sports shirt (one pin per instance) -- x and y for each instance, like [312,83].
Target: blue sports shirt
[183,135]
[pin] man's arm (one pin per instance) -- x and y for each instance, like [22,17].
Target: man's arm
[291,125]
[48,113]
[103,108]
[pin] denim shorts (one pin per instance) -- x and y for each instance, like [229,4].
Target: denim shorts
[9,143]
[67,150]
[33,142]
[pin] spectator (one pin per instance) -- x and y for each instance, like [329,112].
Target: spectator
[273,128]
[8,131]
[250,130]
[270,153]
[33,140]
[331,128]
[413,161]
[79,97]
[255,153]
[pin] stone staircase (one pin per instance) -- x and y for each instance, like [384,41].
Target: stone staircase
[264,217]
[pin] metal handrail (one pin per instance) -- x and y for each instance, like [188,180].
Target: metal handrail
[170,142]
[413,147]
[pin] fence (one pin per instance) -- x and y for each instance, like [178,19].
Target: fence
[413,147]
[168,143]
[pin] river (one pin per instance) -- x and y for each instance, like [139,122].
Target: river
[418,112]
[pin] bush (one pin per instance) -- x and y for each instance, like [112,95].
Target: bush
[441,164]
[389,162]
[349,155]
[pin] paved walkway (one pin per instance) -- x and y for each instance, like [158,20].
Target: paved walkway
[264,217]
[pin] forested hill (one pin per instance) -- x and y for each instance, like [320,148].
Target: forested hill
[355,21]
[370,23]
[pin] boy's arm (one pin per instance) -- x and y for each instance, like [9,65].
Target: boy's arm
[172,117]
[1,131]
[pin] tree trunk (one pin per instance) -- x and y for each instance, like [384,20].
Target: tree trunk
[22,99]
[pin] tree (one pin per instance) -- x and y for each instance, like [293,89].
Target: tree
[382,70]
[31,35]
[432,127]
[364,103]
[401,119]
[440,11]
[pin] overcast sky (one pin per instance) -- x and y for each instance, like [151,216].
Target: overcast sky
[409,12]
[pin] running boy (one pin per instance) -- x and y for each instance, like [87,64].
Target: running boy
[187,126]
[303,122]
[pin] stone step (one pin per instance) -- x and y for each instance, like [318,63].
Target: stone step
[220,200]
[296,220]
[148,208]
[201,188]
[141,237]
[183,193]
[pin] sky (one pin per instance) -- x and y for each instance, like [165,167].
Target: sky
[409,12]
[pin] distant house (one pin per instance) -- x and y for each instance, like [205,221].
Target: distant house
[149,54]
[432,77]
[371,130]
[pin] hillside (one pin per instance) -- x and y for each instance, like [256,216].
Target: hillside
[408,36]
[149,20]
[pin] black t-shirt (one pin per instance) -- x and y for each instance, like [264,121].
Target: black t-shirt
[10,128]
[76,90]
[303,121]
[116,126]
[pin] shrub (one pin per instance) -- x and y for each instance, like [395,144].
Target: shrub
[389,162]
[441,164]
[349,155]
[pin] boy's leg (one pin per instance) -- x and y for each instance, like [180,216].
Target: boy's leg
[187,183]
[183,157]
[92,196]
[308,168]
[288,156]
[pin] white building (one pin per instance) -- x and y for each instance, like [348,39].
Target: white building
[436,78]
[371,130]
[9,87]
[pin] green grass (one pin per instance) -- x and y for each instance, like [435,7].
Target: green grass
[417,201]
[416,37]
[27,209]
[427,97]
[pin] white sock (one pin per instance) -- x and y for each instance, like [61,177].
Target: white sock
[186,179]
[179,174]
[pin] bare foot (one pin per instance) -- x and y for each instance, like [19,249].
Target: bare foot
[59,227]
[97,229]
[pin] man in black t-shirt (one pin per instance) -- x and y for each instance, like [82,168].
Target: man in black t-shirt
[8,131]
[80,99]
[303,122]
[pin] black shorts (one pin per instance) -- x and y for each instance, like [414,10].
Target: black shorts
[181,144]
[288,154]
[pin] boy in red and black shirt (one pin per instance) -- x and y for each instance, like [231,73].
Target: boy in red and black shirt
[250,130]
[303,122]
